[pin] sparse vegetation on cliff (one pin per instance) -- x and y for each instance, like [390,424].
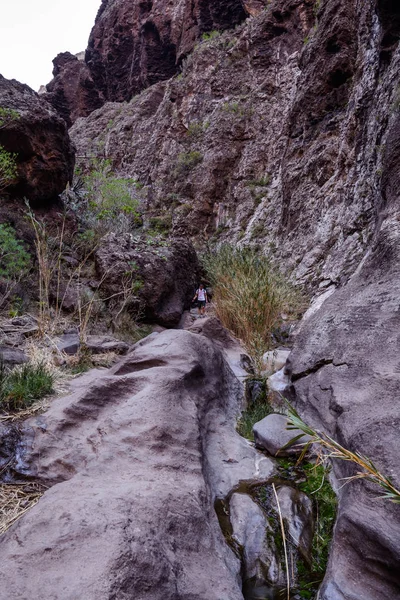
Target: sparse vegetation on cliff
[8,168]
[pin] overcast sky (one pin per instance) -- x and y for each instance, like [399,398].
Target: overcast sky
[33,32]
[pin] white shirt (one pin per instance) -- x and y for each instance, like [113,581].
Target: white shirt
[201,294]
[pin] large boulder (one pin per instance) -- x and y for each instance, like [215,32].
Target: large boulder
[39,138]
[134,460]
[345,371]
[167,272]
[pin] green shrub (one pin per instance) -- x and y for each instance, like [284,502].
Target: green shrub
[162,223]
[188,161]
[8,168]
[103,202]
[22,386]
[210,35]
[14,260]
[249,296]
[261,182]
[197,128]
[7,116]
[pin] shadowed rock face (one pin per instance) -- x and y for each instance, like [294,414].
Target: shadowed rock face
[169,274]
[345,368]
[39,138]
[72,91]
[135,44]
[135,459]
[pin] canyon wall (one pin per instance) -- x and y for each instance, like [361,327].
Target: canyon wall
[272,135]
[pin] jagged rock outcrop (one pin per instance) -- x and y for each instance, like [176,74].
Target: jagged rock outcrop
[39,138]
[134,462]
[167,273]
[135,44]
[72,92]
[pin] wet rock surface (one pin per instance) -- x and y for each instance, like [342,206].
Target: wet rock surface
[39,138]
[250,529]
[135,458]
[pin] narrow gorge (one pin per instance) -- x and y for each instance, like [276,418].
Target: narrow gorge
[220,142]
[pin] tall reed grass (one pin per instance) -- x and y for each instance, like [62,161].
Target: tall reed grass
[249,296]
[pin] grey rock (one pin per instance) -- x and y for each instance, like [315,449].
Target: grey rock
[246,363]
[345,371]
[101,344]
[297,513]
[12,356]
[275,360]
[271,434]
[251,530]
[279,388]
[68,343]
[255,390]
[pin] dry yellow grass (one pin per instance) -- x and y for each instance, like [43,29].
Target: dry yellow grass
[16,500]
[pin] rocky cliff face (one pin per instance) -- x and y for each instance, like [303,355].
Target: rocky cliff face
[272,135]
[72,91]
[39,138]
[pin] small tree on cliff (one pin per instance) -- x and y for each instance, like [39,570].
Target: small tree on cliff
[8,160]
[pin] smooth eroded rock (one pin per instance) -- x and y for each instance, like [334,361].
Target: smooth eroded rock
[271,433]
[251,530]
[134,458]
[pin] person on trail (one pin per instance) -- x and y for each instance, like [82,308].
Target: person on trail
[201,297]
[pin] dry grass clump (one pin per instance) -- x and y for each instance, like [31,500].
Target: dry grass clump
[16,500]
[333,450]
[249,296]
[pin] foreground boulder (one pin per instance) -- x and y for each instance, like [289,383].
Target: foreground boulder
[345,371]
[134,460]
[166,272]
[39,138]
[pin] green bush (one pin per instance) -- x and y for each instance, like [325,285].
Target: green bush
[188,161]
[210,35]
[14,260]
[7,116]
[249,296]
[162,223]
[23,386]
[8,168]
[103,202]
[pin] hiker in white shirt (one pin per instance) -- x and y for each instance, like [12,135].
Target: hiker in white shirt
[201,297]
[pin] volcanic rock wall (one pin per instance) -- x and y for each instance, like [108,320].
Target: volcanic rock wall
[272,135]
